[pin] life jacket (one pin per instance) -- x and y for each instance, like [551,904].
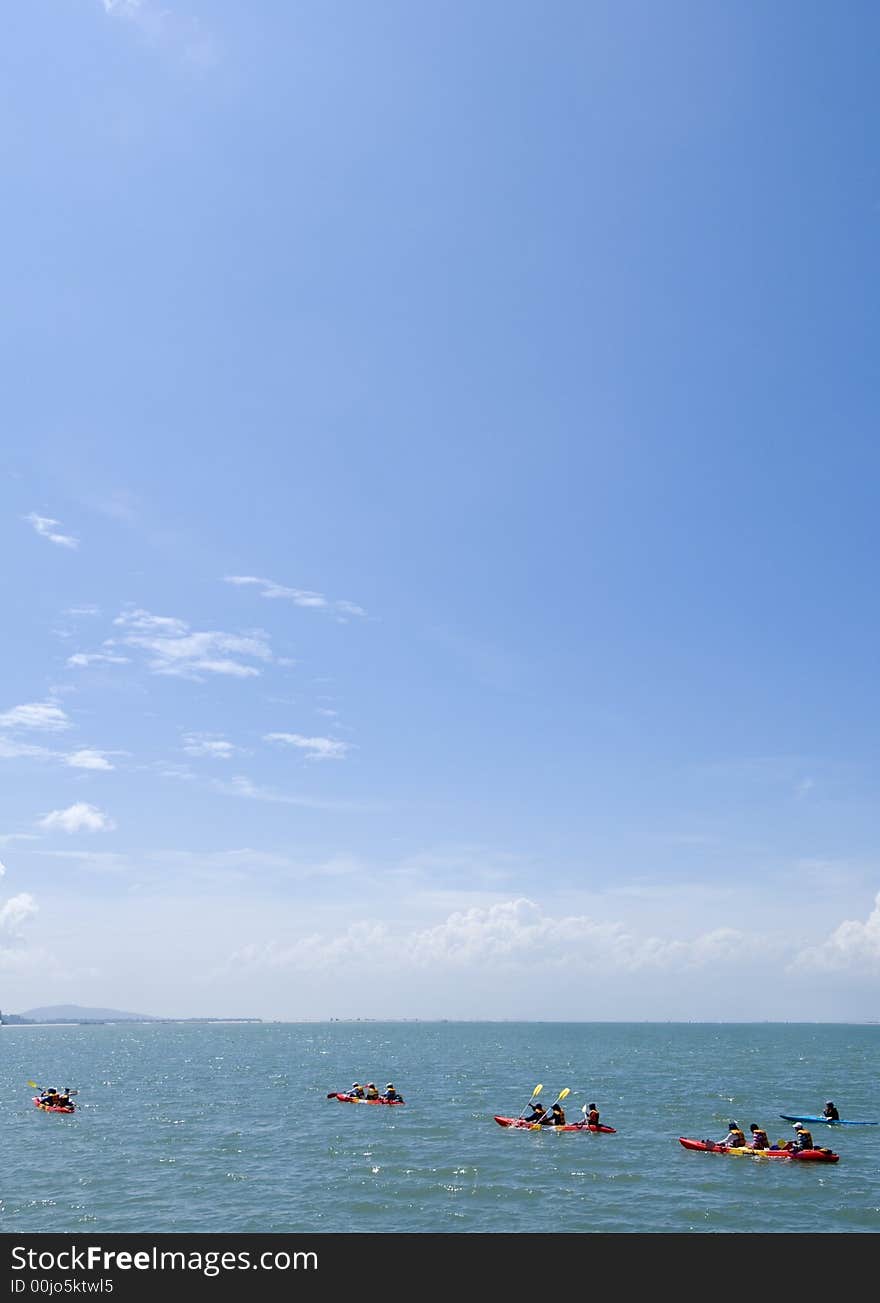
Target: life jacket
[804,1140]
[760,1140]
[373,1094]
[736,1140]
[593,1117]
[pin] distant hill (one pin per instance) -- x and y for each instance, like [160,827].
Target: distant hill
[76,1013]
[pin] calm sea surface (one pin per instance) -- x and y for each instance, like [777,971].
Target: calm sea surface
[221,1127]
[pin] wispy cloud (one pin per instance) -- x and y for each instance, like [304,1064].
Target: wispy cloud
[241,786]
[83,610]
[162,28]
[176,649]
[88,759]
[15,750]
[82,660]
[42,715]
[80,817]
[316,748]
[48,528]
[208,744]
[299,596]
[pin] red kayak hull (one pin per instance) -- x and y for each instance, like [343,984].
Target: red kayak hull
[52,1108]
[798,1155]
[352,1099]
[518,1124]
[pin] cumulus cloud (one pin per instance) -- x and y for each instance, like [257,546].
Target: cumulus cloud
[80,817]
[175,649]
[46,527]
[316,748]
[43,715]
[514,936]
[299,596]
[208,744]
[88,759]
[854,946]
[15,910]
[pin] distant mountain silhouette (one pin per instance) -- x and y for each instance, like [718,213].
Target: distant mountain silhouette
[76,1013]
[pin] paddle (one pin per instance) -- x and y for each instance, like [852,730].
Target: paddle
[535,1093]
[536,1126]
[34,1086]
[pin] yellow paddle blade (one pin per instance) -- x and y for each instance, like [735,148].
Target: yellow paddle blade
[565,1092]
[537,1091]
[34,1084]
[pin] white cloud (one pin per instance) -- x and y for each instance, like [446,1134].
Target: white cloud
[299,596]
[44,715]
[208,744]
[81,660]
[80,817]
[46,527]
[852,946]
[15,910]
[88,759]
[316,748]
[177,650]
[514,937]
[88,609]
[2,868]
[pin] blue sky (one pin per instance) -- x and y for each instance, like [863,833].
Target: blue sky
[439,510]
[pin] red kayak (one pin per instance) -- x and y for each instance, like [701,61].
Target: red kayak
[519,1124]
[53,1108]
[353,1099]
[743,1151]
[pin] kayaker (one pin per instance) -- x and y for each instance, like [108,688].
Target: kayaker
[735,1138]
[63,1100]
[537,1113]
[760,1139]
[830,1111]
[391,1093]
[49,1097]
[555,1118]
[372,1090]
[803,1139]
[357,1091]
[592,1116]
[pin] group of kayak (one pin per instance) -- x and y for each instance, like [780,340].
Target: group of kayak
[801,1147]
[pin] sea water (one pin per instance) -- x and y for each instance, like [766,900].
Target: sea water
[210,1128]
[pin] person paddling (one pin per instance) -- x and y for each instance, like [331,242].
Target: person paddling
[537,1114]
[391,1094]
[357,1091]
[555,1118]
[760,1139]
[803,1138]
[829,1112]
[592,1116]
[372,1090]
[735,1138]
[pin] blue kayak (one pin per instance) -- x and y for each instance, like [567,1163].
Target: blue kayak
[829,1122]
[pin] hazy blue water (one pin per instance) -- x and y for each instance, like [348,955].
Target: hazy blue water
[144,1153]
